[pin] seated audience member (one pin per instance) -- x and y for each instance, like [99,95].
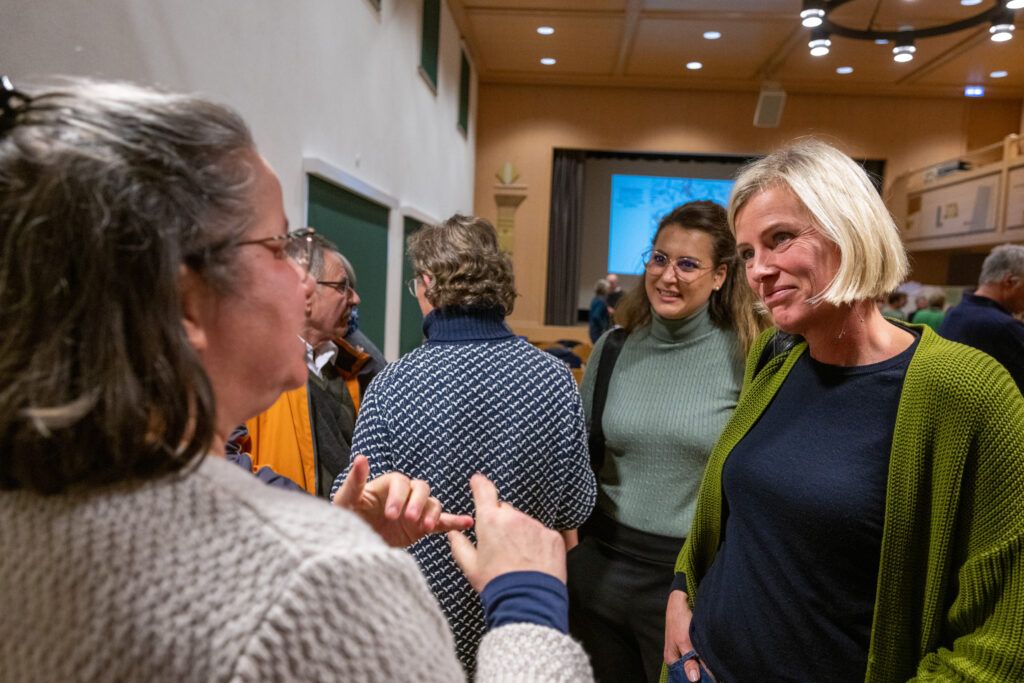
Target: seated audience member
[148,305]
[306,435]
[985,319]
[566,355]
[600,320]
[475,398]
[931,316]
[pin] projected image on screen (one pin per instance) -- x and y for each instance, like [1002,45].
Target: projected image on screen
[638,204]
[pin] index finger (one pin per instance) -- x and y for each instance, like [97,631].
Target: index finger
[485,494]
[352,488]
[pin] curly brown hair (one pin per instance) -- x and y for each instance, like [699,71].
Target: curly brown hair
[733,305]
[466,267]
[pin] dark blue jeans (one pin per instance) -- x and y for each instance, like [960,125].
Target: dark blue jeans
[677,674]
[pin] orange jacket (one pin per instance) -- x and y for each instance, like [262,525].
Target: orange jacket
[281,437]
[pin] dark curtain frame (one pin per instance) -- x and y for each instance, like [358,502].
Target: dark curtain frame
[565,236]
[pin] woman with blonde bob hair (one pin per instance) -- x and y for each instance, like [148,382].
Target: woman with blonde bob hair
[862,515]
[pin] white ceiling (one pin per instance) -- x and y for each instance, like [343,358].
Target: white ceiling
[647,43]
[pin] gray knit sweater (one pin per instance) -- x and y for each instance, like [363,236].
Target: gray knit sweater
[214,576]
[673,389]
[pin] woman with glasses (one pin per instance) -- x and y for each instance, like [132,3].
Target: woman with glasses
[475,398]
[671,390]
[148,304]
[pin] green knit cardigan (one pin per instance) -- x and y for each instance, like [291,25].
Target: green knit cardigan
[950,597]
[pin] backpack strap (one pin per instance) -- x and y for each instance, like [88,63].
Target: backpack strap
[605,364]
[779,344]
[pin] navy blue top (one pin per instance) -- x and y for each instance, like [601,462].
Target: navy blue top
[465,325]
[791,592]
[234,453]
[983,323]
[599,320]
[526,597]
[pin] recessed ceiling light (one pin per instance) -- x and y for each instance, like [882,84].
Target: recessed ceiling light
[998,74]
[1015,4]
[1001,31]
[974,91]
[712,35]
[844,70]
[812,17]
[548,61]
[968,3]
[819,44]
[693,66]
[881,41]
[547,30]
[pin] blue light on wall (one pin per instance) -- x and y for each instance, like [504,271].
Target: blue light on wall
[974,91]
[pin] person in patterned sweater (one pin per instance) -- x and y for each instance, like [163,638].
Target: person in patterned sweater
[475,398]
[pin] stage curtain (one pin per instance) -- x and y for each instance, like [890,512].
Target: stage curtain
[565,235]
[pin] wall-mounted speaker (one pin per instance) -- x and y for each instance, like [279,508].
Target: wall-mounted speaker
[769,108]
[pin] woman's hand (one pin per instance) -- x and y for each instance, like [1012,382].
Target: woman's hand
[507,541]
[398,508]
[677,633]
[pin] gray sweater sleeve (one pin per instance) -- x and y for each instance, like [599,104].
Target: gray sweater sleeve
[370,616]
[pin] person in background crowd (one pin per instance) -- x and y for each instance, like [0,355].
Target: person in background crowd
[475,398]
[985,319]
[931,316]
[862,515]
[306,435]
[599,318]
[614,292]
[893,308]
[920,304]
[148,305]
[671,390]
[351,360]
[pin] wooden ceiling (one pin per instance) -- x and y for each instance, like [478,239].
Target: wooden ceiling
[648,43]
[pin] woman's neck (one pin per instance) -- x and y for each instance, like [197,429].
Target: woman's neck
[857,335]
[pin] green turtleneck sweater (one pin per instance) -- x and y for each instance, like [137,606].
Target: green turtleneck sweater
[672,392]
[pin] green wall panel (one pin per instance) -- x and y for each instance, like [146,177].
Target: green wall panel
[411,330]
[360,229]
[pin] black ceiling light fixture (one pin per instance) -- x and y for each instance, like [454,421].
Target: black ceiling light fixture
[815,15]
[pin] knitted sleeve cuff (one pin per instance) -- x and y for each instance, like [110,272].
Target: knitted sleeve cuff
[678,582]
[526,597]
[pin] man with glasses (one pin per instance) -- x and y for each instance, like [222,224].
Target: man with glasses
[306,435]
[362,372]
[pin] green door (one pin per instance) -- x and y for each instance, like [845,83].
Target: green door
[411,331]
[360,229]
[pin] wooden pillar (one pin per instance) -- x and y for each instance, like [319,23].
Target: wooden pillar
[508,198]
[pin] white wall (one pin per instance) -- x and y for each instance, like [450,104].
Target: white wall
[333,80]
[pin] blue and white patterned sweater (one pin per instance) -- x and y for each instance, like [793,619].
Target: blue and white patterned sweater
[476,398]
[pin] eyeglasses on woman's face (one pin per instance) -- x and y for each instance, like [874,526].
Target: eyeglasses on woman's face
[412,284]
[685,267]
[296,245]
